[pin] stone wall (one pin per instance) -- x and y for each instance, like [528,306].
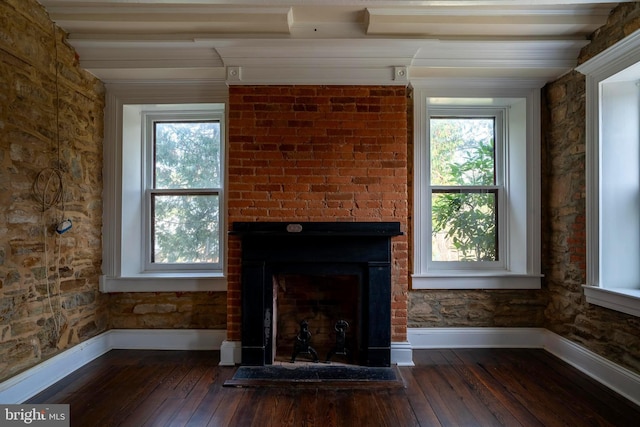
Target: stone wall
[168,310]
[609,333]
[476,308]
[51,118]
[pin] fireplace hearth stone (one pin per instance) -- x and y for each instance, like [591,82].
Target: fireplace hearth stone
[335,376]
[322,248]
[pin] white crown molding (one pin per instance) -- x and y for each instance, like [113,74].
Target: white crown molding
[536,20]
[390,75]
[367,3]
[324,61]
[614,59]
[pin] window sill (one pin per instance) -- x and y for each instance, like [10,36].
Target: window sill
[619,299]
[475,281]
[165,282]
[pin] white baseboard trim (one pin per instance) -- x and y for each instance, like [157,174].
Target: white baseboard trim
[613,376]
[166,339]
[230,353]
[425,338]
[27,384]
[402,353]
[23,386]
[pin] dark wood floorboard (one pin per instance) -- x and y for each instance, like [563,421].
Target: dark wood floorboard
[461,387]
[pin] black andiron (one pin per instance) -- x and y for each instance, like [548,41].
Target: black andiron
[341,341]
[302,343]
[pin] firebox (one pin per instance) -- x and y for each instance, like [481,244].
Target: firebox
[360,250]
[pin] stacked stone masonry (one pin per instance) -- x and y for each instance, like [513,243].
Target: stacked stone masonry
[51,118]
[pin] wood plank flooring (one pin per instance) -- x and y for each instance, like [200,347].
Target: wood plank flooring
[475,387]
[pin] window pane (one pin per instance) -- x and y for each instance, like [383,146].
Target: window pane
[185,229]
[464,226]
[187,154]
[462,151]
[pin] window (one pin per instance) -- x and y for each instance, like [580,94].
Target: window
[466,185]
[183,190]
[476,194]
[613,176]
[164,188]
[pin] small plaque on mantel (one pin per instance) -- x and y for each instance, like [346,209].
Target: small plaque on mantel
[294,228]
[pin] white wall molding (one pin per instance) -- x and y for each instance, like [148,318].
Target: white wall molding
[327,75]
[335,60]
[617,378]
[432,338]
[29,383]
[230,353]
[402,353]
[166,339]
[23,386]
[613,376]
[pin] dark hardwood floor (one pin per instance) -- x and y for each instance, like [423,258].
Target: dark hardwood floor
[479,387]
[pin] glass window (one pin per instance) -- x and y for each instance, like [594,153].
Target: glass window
[184,197]
[184,190]
[464,195]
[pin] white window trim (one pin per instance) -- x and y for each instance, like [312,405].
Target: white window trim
[114,278]
[522,269]
[613,63]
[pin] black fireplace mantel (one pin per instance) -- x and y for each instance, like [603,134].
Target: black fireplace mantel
[360,248]
[317,228]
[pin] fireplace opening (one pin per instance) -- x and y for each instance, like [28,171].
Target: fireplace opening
[329,304]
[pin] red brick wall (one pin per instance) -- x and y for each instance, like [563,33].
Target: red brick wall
[318,153]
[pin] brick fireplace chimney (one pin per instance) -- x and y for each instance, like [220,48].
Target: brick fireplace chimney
[318,154]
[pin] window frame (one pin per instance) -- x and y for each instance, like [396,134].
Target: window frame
[123,196]
[149,119]
[611,77]
[521,107]
[498,115]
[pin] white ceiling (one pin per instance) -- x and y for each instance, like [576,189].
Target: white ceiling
[328,41]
